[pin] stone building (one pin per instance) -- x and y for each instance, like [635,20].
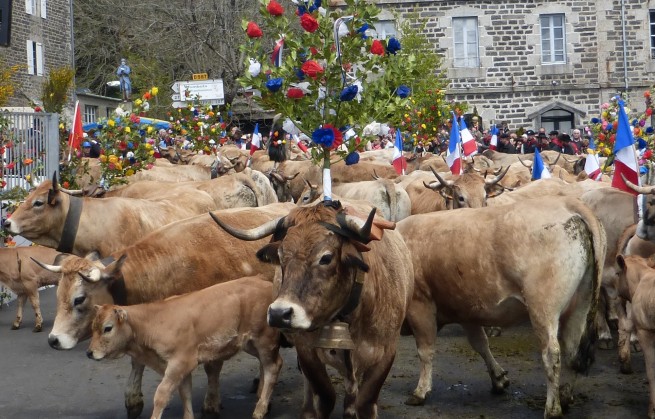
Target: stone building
[538,63]
[35,34]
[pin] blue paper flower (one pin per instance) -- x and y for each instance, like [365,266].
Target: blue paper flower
[316,5]
[635,122]
[324,137]
[301,10]
[274,84]
[142,132]
[650,130]
[641,143]
[300,74]
[130,146]
[352,158]
[393,46]
[362,30]
[348,93]
[195,112]
[403,91]
[595,121]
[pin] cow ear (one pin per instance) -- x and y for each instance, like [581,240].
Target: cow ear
[269,253]
[121,314]
[446,192]
[621,261]
[494,190]
[113,269]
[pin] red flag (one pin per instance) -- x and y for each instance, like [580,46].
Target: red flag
[77,134]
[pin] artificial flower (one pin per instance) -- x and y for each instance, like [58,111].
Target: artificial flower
[274,85]
[253,30]
[324,137]
[338,137]
[311,68]
[403,91]
[154,91]
[274,8]
[352,158]
[393,46]
[348,93]
[254,68]
[308,23]
[648,154]
[377,48]
[10,166]
[27,161]
[295,93]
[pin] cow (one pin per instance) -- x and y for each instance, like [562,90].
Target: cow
[175,259]
[636,283]
[208,327]
[328,270]
[492,281]
[172,173]
[468,190]
[21,276]
[52,218]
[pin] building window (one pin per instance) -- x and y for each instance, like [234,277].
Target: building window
[384,29]
[557,119]
[34,58]
[90,114]
[652,33]
[110,112]
[552,39]
[44,9]
[5,22]
[30,7]
[465,42]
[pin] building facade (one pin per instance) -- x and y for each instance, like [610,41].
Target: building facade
[539,63]
[36,35]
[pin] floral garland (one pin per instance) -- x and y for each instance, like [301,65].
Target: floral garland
[203,127]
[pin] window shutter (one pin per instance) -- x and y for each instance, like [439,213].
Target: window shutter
[43,8]
[28,7]
[30,57]
[39,59]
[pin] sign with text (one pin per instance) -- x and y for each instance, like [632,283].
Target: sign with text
[199,76]
[208,92]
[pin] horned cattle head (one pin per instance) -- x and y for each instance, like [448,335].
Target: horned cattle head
[319,251]
[111,333]
[84,282]
[469,190]
[280,183]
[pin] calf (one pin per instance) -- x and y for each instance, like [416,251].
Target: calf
[207,326]
[24,278]
[636,283]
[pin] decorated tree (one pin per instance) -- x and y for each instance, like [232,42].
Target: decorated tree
[318,66]
[203,126]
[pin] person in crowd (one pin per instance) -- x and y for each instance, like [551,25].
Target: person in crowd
[505,145]
[123,72]
[567,147]
[530,142]
[543,142]
[554,140]
[576,140]
[519,142]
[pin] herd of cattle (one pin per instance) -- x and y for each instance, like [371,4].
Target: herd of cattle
[177,269]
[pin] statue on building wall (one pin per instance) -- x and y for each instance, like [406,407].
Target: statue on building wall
[123,73]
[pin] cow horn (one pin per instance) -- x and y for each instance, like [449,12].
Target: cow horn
[431,185]
[555,162]
[277,176]
[571,161]
[75,192]
[529,166]
[444,159]
[497,178]
[353,224]
[51,268]
[291,177]
[255,233]
[375,175]
[440,179]
[639,189]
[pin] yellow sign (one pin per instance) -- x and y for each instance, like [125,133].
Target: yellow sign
[200,76]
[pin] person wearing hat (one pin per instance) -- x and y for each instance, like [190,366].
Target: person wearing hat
[555,144]
[86,148]
[567,145]
[530,143]
[504,144]
[543,142]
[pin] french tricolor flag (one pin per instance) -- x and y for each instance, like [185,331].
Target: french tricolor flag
[398,160]
[493,145]
[539,169]
[276,56]
[592,165]
[468,142]
[256,142]
[625,157]
[453,156]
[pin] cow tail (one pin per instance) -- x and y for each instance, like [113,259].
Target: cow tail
[390,187]
[584,357]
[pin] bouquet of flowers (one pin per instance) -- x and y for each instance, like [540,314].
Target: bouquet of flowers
[201,125]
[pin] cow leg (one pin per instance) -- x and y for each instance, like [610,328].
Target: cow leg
[625,330]
[34,301]
[371,384]
[212,403]
[133,395]
[604,332]
[422,319]
[19,312]
[551,355]
[319,392]
[647,339]
[270,364]
[186,395]
[480,343]
[176,372]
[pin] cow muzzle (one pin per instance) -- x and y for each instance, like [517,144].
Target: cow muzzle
[7,225]
[287,315]
[61,342]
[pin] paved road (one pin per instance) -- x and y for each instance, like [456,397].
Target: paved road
[38,382]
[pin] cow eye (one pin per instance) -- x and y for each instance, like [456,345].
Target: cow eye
[325,259]
[79,300]
[107,329]
[37,203]
[461,199]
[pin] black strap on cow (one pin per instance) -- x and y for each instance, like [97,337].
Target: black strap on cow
[354,297]
[71,224]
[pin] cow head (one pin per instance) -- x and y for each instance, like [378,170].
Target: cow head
[281,185]
[318,249]
[110,333]
[646,225]
[469,190]
[310,194]
[41,216]
[84,283]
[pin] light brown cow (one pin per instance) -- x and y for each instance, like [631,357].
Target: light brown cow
[636,283]
[208,327]
[493,281]
[178,258]
[103,225]
[324,276]
[21,276]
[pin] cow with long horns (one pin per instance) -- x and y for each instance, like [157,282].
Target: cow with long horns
[328,271]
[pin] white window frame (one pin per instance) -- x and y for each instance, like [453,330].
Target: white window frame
[90,114]
[550,53]
[384,29]
[30,7]
[44,9]
[651,26]
[34,58]
[466,42]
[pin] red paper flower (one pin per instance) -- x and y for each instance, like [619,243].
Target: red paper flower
[338,138]
[275,8]
[313,50]
[311,68]
[147,96]
[11,165]
[37,109]
[294,92]
[648,154]
[308,23]
[66,184]
[649,111]
[377,48]
[253,31]
[3,183]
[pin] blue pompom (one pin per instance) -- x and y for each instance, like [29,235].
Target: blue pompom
[403,91]
[274,85]
[393,46]
[348,93]
[649,130]
[595,121]
[324,137]
[352,158]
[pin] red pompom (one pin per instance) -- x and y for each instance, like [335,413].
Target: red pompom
[377,48]
[253,31]
[295,93]
[311,68]
[308,23]
[275,8]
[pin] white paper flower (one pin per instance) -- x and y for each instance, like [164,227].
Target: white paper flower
[255,67]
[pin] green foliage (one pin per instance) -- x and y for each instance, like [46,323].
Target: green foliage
[54,92]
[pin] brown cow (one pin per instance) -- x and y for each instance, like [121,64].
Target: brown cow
[183,335]
[636,283]
[324,276]
[21,276]
[492,281]
[178,258]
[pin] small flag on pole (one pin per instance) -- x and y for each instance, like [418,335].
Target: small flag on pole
[469,145]
[453,156]
[493,145]
[592,165]
[398,160]
[625,157]
[539,169]
[77,134]
[256,142]
[276,57]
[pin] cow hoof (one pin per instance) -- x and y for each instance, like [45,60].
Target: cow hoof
[135,410]
[415,400]
[209,414]
[566,396]
[15,326]
[636,347]
[37,329]
[626,368]
[605,344]
[493,332]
